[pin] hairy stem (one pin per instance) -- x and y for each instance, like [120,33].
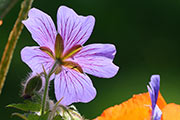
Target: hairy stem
[47,77]
[12,40]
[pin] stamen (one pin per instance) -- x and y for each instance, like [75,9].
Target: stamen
[73,65]
[58,69]
[59,46]
[47,50]
[71,52]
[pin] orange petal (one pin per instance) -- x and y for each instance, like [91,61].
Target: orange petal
[171,112]
[161,102]
[136,108]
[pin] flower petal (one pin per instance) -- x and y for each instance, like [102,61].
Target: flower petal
[74,29]
[73,86]
[157,113]
[136,108]
[154,91]
[171,112]
[35,59]
[42,28]
[96,59]
[161,103]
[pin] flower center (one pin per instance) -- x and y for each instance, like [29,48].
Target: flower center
[61,57]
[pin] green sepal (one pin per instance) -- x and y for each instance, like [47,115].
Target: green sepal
[59,46]
[33,85]
[47,51]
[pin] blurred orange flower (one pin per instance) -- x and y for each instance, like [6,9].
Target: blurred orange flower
[1,22]
[139,108]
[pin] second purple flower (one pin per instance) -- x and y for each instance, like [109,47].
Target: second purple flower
[66,46]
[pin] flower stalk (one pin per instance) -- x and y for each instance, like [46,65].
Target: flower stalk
[12,41]
[47,77]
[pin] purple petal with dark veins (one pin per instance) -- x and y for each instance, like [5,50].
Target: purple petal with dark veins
[73,86]
[74,29]
[97,60]
[35,59]
[41,27]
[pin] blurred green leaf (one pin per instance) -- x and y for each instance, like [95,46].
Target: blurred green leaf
[58,117]
[44,116]
[33,117]
[20,115]
[36,117]
[27,106]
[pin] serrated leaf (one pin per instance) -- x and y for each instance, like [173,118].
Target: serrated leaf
[27,106]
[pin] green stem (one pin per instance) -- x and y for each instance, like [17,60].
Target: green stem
[47,77]
[12,40]
[20,115]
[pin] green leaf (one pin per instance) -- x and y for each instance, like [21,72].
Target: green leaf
[20,115]
[27,106]
[33,117]
[44,117]
[58,117]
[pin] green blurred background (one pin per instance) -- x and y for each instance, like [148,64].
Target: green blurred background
[146,35]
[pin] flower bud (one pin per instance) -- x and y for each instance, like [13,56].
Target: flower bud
[70,113]
[32,85]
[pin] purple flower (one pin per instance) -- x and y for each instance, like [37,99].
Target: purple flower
[153,92]
[65,45]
